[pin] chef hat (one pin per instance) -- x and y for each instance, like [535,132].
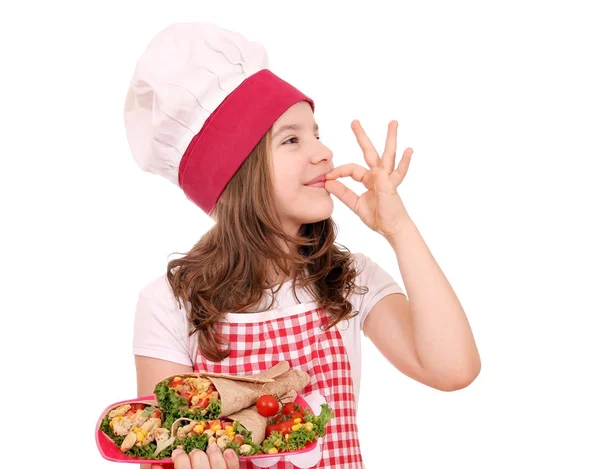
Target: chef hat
[200,99]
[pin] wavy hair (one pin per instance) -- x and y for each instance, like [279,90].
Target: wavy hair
[226,271]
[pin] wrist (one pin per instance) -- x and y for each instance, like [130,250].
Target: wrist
[399,229]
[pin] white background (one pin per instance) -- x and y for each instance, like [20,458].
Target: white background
[501,104]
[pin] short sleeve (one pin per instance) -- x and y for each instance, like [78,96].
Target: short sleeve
[159,331]
[379,282]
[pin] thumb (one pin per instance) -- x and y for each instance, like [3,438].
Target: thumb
[343,193]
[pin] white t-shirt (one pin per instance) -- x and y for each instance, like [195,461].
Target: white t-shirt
[161,329]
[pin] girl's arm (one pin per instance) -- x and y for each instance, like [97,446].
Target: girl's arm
[150,371]
[427,336]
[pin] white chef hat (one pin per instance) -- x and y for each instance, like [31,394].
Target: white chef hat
[200,99]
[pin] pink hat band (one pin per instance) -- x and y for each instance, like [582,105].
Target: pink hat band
[230,134]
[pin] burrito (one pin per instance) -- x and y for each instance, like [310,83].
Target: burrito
[135,428]
[204,396]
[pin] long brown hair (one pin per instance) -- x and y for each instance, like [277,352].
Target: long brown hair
[226,271]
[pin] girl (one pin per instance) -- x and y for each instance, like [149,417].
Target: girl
[267,282]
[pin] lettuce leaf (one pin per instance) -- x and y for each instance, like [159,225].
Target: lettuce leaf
[168,400]
[192,441]
[321,420]
[270,442]
[299,439]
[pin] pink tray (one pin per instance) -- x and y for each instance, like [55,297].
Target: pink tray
[111,452]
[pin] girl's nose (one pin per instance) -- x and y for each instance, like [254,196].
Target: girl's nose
[321,153]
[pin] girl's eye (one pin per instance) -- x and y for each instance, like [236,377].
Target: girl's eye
[296,138]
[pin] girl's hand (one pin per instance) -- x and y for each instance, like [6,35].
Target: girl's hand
[197,459]
[380,208]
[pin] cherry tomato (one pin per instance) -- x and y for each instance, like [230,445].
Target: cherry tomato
[286,427]
[156,414]
[267,406]
[186,395]
[276,427]
[288,408]
[238,439]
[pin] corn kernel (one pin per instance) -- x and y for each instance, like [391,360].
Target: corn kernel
[296,427]
[136,429]
[216,428]
[229,428]
[111,424]
[140,437]
[273,451]
[199,429]
[287,436]
[298,421]
[177,378]
[308,426]
[202,395]
[278,443]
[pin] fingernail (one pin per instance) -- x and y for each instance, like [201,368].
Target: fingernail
[229,454]
[195,450]
[212,447]
[177,451]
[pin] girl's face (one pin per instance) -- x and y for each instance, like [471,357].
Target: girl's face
[298,157]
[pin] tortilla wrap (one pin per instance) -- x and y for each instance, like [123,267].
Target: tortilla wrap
[124,429]
[238,395]
[239,392]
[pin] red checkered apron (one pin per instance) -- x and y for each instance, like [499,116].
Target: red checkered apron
[300,339]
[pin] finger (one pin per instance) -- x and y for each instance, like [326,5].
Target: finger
[400,172]
[199,460]
[180,459]
[231,458]
[352,170]
[215,457]
[389,153]
[348,198]
[371,155]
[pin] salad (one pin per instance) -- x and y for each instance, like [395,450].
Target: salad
[294,427]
